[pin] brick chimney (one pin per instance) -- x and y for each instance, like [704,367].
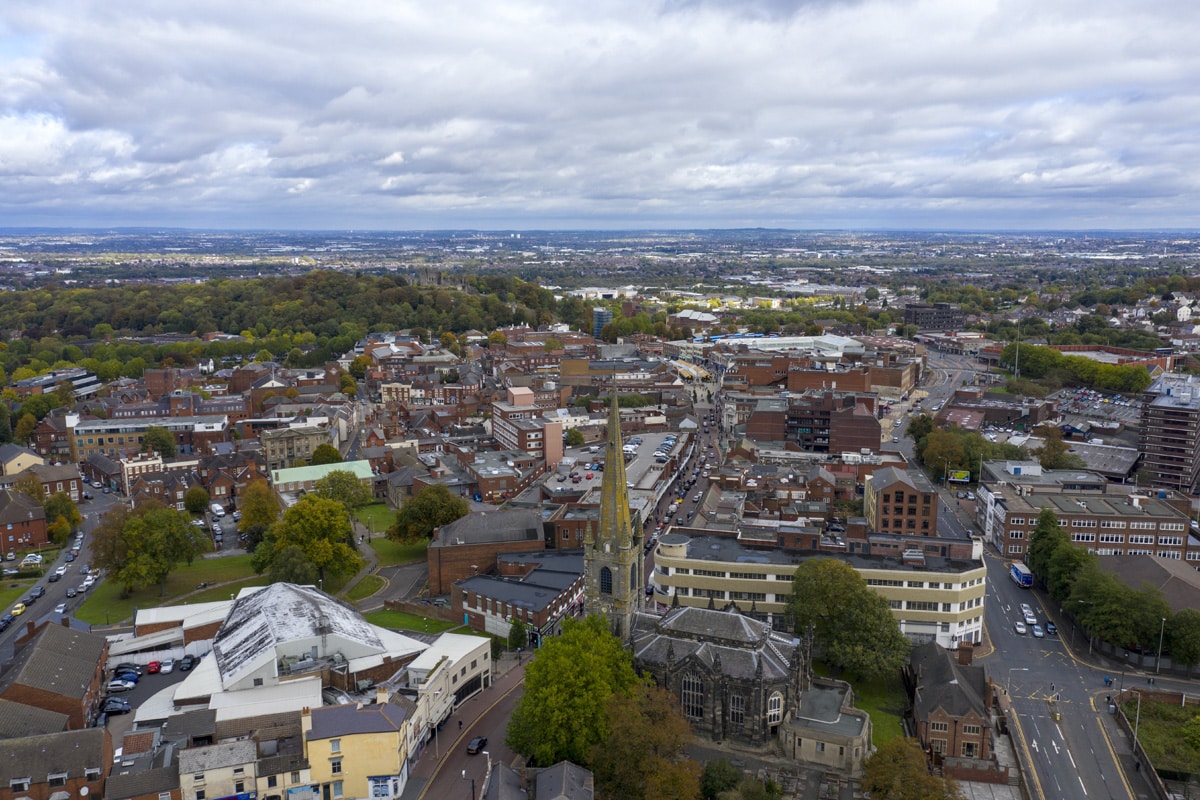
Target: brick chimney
[966,653]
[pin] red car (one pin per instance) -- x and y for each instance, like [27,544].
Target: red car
[153,667]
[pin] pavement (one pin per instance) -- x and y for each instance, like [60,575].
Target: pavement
[508,676]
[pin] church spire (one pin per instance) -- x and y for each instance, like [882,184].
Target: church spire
[616,525]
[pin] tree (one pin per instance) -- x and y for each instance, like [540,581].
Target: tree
[1054,452]
[943,452]
[518,634]
[158,439]
[140,548]
[719,776]
[260,510]
[920,427]
[1044,540]
[1184,637]
[897,771]
[343,486]
[31,486]
[563,711]
[640,755]
[573,438]
[320,527]
[853,627]
[61,505]
[432,508]
[359,366]
[291,565]
[25,427]
[325,454]
[196,500]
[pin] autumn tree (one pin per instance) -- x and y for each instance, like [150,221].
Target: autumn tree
[897,771]
[325,454]
[640,756]
[158,439]
[573,438]
[563,711]
[343,486]
[31,486]
[430,509]
[320,527]
[25,427]
[62,516]
[260,510]
[853,627]
[719,777]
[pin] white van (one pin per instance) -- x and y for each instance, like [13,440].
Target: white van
[217,510]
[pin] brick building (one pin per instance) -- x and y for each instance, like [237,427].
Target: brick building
[900,501]
[58,669]
[469,546]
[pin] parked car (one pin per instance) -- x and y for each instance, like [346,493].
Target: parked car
[37,592]
[111,707]
[61,570]
[187,662]
[61,608]
[131,677]
[476,745]
[126,666]
[6,620]
[119,685]
[168,665]
[153,667]
[71,592]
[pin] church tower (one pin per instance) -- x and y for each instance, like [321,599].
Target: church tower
[612,557]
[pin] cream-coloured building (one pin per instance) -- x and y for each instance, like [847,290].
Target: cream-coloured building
[933,599]
[226,769]
[358,750]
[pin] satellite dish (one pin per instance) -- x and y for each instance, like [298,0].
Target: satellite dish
[83,790]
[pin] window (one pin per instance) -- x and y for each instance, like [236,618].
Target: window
[937,745]
[19,784]
[737,709]
[272,781]
[239,770]
[57,779]
[820,747]
[605,580]
[692,696]
[970,730]
[164,796]
[295,777]
[239,786]
[337,788]
[775,709]
[335,766]
[92,774]
[200,794]
[940,727]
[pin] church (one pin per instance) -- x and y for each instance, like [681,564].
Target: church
[737,680]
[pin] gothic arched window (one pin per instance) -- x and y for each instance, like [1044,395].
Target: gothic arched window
[692,696]
[605,580]
[775,709]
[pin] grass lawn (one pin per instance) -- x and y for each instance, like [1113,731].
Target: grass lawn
[377,517]
[105,604]
[10,592]
[398,620]
[1159,731]
[369,585]
[392,553]
[883,700]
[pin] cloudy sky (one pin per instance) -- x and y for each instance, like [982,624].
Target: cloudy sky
[402,114]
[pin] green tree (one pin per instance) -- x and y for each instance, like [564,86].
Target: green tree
[1054,452]
[433,507]
[325,454]
[140,548]
[563,711]
[359,366]
[320,527]
[196,500]
[158,439]
[853,627]
[943,452]
[1044,540]
[60,505]
[343,486]
[897,771]
[573,438]
[291,565]
[640,754]
[719,776]
[1184,637]
[518,634]
[920,427]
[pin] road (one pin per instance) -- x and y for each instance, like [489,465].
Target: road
[56,592]
[1071,754]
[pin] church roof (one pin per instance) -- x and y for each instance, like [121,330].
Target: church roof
[724,641]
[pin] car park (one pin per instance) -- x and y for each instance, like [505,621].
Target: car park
[1019,627]
[476,745]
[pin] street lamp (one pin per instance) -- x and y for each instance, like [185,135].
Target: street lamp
[464,774]
[1161,630]
[1011,670]
[945,472]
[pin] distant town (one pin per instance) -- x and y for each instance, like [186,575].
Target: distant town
[305,516]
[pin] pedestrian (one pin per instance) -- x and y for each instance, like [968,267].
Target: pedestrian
[1137,766]
[460,724]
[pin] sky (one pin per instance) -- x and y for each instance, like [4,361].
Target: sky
[605,114]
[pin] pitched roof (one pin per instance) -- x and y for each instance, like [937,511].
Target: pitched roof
[35,757]
[18,719]
[350,719]
[740,645]
[513,525]
[565,781]
[58,660]
[944,683]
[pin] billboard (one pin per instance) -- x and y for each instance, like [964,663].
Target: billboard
[960,476]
